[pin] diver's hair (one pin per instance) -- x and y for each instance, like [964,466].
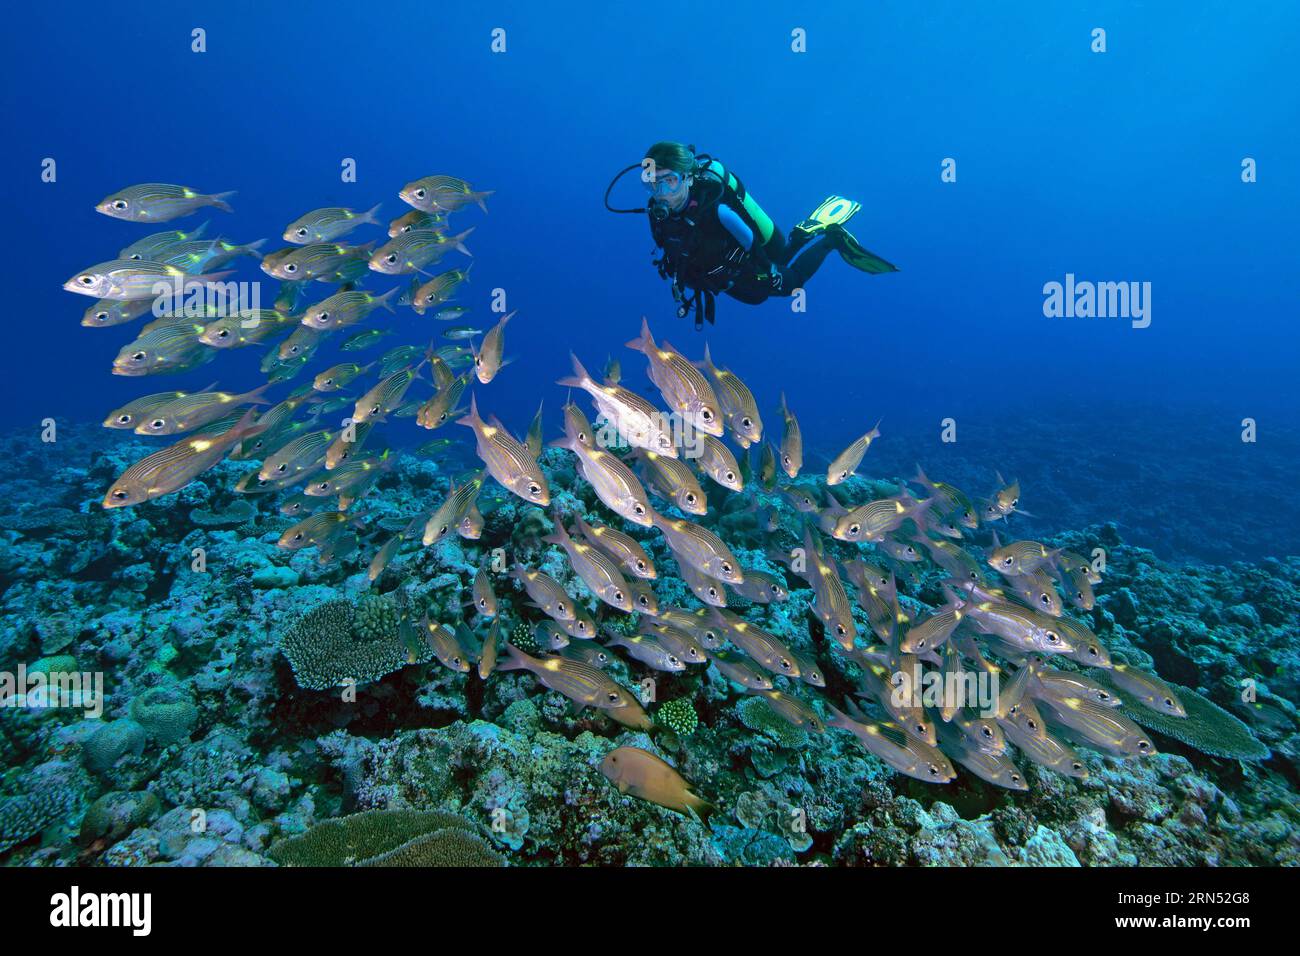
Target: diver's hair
[670,155]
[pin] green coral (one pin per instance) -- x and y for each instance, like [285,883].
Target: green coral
[521,636]
[376,617]
[111,742]
[1207,727]
[325,647]
[24,816]
[166,713]
[116,814]
[678,716]
[757,715]
[388,838]
[449,847]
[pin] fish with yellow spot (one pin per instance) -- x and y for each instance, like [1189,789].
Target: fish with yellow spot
[507,458]
[176,466]
[584,685]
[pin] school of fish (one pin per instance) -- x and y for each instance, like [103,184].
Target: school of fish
[652,463]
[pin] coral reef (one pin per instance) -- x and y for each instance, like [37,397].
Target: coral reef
[221,700]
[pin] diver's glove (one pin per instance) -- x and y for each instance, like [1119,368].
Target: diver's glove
[775,278]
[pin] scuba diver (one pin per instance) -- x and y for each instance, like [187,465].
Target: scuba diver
[715,238]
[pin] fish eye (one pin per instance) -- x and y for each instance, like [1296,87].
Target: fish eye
[86,280]
[119,495]
[934,771]
[138,356]
[290,267]
[785,459]
[986,732]
[124,419]
[618,596]
[223,333]
[726,567]
[1169,702]
[1077,765]
[300,232]
[157,423]
[1032,724]
[638,509]
[456,661]
[323,317]
[1046,598]
[119,204]
[713,592]
[706,414]
[281,468]
[298,536]
[911,550]
[854,528]
[560,607]
[390,258]
[1014,502]
[420,193]
[1053,637]
[1144,745]
[746,422]
[729,475]
[640,565]
[840,629]
[1008,562]
[101,316]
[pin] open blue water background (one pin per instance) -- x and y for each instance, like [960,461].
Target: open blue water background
[1118,166]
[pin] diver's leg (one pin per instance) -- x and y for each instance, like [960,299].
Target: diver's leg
[802,269]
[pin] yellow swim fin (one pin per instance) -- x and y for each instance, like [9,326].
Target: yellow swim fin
[833,210]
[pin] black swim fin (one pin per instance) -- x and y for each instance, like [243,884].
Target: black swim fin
[852,252]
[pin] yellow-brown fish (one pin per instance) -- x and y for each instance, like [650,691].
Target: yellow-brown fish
[647,777]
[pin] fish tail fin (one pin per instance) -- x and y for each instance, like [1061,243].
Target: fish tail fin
[645,341]
[481,198]
[208,277]
[255,396]
[246,427]
[472,418]
[460,241]
[700,807]
[371,214]
[561,534]
[383,299]
[219,200]
[515,659]
[579,373]
[253,247]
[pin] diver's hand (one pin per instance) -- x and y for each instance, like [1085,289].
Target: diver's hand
[775,278]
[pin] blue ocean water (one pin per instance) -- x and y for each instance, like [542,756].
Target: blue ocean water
[1117,166]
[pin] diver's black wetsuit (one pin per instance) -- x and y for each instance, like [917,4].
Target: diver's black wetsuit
[701,253]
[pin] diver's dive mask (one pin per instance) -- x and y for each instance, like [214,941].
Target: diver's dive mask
[668,191]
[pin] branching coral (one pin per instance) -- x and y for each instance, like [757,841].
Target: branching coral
[328,645]
[388,838]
